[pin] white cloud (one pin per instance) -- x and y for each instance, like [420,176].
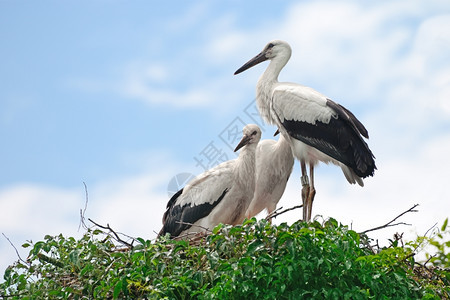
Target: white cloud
[191,18]
[178,84]
[26,207]
[399,183]
[30,211]
[433,39]
[132,205]
[425,83]
[142,89]
[226,47]
[349,50]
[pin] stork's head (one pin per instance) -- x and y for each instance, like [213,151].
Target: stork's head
[251,135]
[275,49]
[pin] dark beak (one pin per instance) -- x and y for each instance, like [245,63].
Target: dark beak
[276,132]
[243,142]
[252,62]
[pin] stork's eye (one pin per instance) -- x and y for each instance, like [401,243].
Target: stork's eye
[254,132]
[270,46]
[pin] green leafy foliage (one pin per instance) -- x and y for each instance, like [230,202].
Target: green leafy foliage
[440,240]
[254,261]
[436,277]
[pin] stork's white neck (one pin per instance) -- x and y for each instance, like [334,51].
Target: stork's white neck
[277,63]
[246,166]
[266,83]
[283,143]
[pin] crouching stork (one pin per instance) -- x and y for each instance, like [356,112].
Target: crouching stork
[219,195]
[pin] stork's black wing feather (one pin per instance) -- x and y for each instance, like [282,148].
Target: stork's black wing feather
[178,218]
[347,115]
[170,204]
[339,139]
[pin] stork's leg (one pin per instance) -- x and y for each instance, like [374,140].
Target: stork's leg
[312,191]
[270,209]
[305,190]
[269,213]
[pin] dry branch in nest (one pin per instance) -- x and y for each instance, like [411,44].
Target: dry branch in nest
[115,235]
[111,233]
[83,211]
[389,224]
[277,212]
[17,252]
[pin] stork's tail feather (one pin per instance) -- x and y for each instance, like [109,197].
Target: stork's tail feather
[364,160]
[351,176]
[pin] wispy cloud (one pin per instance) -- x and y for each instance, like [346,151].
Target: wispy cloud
[155,83]
[398,184]
[132,204]
[30,211]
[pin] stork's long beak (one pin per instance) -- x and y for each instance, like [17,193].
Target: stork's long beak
[252,62]
[244,141]
[276,132]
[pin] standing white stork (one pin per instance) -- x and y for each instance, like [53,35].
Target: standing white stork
[274,162]
[219,195]
[318,128]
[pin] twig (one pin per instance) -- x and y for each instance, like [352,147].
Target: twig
[365,240]
[83,211]
[275,213]
[429,229]
[428,260]
[399,237]
[269,216]
[194,225]
[389,224]
[17,252]
[422,241]
[194,237]
[117,237]
[378,247]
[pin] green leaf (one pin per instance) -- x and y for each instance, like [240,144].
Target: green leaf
[249,221]
[348,265]
[37,247]
[254,246]
[444,226]
[88,268]
[74,257]
[97,232]
[217,228]
[117,289]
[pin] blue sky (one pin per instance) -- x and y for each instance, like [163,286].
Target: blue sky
[66,69]
[124,96]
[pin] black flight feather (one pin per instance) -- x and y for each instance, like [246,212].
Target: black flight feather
[349,116]
[178,218]
[339,139]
